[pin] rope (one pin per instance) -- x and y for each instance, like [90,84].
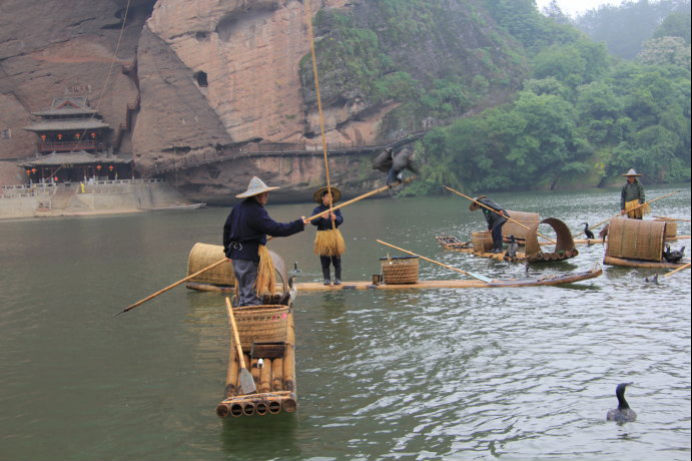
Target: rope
[308,20]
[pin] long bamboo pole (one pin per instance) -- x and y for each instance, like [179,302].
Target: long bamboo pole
[666,218]
[461,194]
[360,197]
[683,267]
[446,266]
[172,285]
[635,208]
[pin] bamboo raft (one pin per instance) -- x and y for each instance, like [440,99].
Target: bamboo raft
[638,243]
[275,380]
[481,242]
[438,284]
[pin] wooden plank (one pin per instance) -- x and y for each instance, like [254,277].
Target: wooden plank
[437,284]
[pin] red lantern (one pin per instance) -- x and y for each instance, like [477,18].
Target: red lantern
[59,137]
[33,170]
[28,172]
[110,167]
[98,167]
[56,179]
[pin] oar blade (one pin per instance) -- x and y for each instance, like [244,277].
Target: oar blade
[247,382]
[480,277]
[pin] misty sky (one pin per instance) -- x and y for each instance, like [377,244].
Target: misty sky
[576,7]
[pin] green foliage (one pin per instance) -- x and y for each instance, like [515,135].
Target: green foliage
[666,51]
[677,24]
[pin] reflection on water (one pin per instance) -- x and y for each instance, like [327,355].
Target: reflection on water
[460,374]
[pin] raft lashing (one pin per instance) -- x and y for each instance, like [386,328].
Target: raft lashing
[270,357]
[638,243]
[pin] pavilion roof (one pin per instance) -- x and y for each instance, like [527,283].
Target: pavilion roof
[69,124]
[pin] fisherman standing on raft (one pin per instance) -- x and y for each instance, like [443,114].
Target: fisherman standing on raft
[632,196]
[495,221]
[329,243]
[244,239]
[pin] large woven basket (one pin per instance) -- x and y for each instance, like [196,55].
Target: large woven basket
[400,270]
[263,323]
[671,228]
[203,255]
[482,241]
[635,239]
[518,231]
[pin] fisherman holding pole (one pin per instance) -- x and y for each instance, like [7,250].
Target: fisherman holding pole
[244,239]
[329,243]
[632,197]
[495,219]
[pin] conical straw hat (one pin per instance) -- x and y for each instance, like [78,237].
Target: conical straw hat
[474,206]
[256,187]
[631,172]
[336,194]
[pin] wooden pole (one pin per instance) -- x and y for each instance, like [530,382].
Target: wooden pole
[683,267]
[359,198]
[461,194]
[635,208]
[246,382]
[446,266]
[172,285]
[671,219]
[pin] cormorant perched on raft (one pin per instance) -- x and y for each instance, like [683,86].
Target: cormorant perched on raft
[673,256]
[512,247]
[394,163]
[623,413]
[587,231]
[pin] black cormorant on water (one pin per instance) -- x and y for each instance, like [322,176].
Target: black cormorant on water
[587,231]
[623,413]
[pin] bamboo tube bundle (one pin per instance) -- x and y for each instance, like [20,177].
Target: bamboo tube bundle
[277,367]
[262,323]
[289,370]
[329,243]
[202,255]
[515,228]
[482,241]
[399,269]
[635,239]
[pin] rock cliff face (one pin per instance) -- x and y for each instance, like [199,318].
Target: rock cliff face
[206,93]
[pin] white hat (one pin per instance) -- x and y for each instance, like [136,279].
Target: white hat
[631,173]
[256,187]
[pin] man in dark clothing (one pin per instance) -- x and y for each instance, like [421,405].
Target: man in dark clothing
[632,196]
[245,234]
[495,221]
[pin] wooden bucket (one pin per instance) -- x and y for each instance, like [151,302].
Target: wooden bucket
[527,219]
[265,323]
[400,270]
[671,228]
[203,255]
[482,241]
[635,239]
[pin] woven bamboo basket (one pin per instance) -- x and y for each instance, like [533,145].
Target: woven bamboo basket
[671,228]
[527,219]
[203,255]
[636,239]
[399,270]
[482,241]
[261,324]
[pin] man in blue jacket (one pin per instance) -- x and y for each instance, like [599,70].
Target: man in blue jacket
[245,232]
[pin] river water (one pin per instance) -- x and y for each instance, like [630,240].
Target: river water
[509,373]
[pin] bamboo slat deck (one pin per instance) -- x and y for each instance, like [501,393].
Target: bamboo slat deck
[613,261]
[275,383]
[437,284]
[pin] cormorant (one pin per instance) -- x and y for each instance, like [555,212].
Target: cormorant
[394,163]
[512,247]
[604,232]
[673,256]
[623,413]
[587,231]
